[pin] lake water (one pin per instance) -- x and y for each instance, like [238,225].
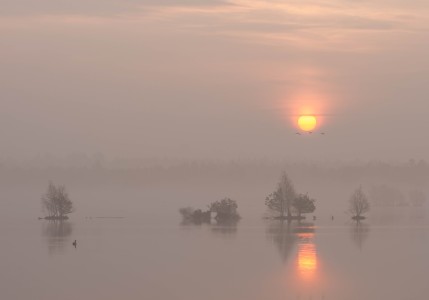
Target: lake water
[144,258]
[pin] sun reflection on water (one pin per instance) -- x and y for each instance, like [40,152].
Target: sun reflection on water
[307,257]
[305,274]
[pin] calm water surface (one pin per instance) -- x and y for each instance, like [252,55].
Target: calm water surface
[130,258]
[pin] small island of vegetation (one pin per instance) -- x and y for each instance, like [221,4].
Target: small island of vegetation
[56,203]
[284,201]
[358,204]
[196,216]
[225,210]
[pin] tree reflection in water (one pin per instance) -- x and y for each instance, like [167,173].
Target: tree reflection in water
[281,233]
[286,235]
[225,228]
[359,233]
[57,235]
[296,239]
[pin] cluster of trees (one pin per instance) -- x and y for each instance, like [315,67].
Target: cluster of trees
[196,216]
[288,205]
[226,210]
[56,203]
[285,202]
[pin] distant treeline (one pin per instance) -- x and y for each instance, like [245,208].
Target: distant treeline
[412,172]
[385,195]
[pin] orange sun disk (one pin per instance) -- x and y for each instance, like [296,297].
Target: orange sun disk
[307,123]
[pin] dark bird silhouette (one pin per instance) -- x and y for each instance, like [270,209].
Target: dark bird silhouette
[75,243]
[299,133]
[332,218]
[322,133]
[310,132]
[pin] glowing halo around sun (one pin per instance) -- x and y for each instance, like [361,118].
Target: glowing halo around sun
[307,122]
[307,108]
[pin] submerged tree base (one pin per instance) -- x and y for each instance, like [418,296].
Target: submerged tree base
[56,218]
[358,218]
[227,218]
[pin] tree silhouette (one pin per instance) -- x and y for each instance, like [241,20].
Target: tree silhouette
[304,204]
[193,216]
[281,200]
[57,203]
[225,209]
[358,204]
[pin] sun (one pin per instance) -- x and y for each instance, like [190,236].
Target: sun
[307,123]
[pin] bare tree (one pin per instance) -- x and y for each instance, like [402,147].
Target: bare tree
[358,204]
[281,200]
[303,204]
[57,203]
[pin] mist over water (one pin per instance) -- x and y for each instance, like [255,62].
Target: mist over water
[134,258]
[132,243]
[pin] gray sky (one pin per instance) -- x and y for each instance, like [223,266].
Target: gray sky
[214,79]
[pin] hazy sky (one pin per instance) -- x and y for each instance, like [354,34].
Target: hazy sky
[214,79]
